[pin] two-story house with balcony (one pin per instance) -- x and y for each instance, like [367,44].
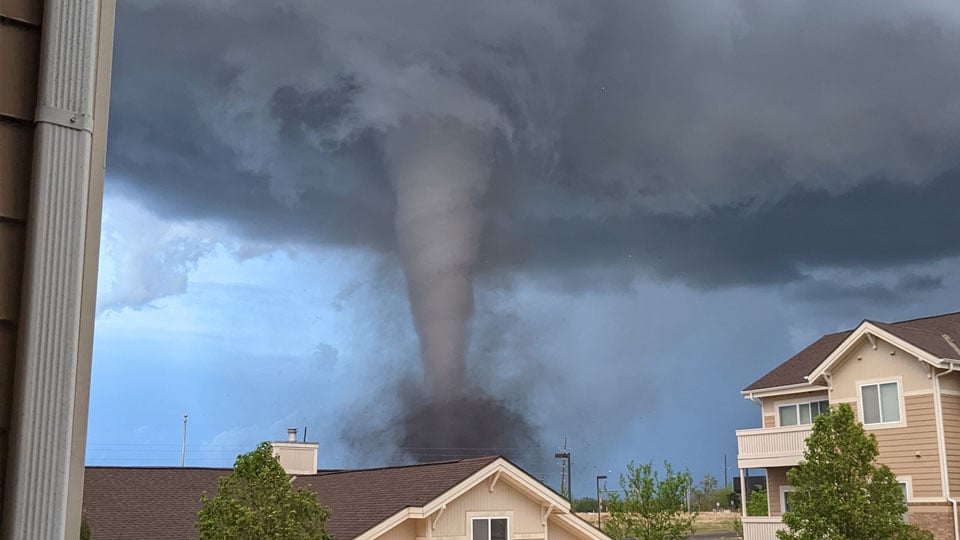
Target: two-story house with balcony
[901,379]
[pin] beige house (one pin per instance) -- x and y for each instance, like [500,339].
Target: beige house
[55,58]
[484,498]
[902,381]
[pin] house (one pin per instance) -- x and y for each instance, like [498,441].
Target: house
[55,65]
[484,498]
[902,381]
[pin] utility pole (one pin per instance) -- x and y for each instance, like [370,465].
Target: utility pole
[565,455]
[724,470]
[183,442]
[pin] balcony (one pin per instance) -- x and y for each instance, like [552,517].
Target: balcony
[761,528]
[771,447]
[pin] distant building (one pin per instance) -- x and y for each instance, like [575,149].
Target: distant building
[487,498]
[901,379]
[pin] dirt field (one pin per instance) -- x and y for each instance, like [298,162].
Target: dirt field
[707,522]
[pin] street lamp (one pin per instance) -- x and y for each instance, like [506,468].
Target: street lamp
[599,478]
[566,456]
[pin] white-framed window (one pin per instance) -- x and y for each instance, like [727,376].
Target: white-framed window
[785,498]
[906,484]
[880,403]
[796,414]
[490,528]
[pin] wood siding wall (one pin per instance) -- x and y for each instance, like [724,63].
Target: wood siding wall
[20,22]
[524,514]
[776,477]
[913,450]
[951,434]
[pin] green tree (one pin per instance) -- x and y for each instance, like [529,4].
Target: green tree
[757,502]
[585,504]
[840,492]
[650,508]
[256,501]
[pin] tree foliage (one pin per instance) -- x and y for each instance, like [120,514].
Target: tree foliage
[256,501]
[757,502]
[839,490]
[585,504]
[650,508]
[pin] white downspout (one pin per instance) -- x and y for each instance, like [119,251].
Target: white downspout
[52,373]
[942,443]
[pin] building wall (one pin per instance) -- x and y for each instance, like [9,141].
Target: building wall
[522,512]
[910,449]
[934,517]
[19,63]
[776,477]
[951,434]
[556,532]
[864,363]
[404,531]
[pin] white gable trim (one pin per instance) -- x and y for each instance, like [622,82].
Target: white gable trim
[783,390]
[871,331]
[575,524]
[505,471]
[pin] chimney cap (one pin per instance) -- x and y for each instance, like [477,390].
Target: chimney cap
[292,434]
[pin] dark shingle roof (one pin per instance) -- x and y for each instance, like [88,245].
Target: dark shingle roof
[361,499]
[926,333]
[162,502]
[145,502]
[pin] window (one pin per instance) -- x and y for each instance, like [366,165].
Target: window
[880,402]
[490,529]
[802,413]
[905,482]
[785,492]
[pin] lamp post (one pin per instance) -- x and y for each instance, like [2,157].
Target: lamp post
[566,456]
[599,478]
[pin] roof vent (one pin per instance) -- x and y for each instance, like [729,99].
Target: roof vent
[292,434]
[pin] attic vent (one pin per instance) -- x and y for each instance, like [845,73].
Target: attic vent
[951,344]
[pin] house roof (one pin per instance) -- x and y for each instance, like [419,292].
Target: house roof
[360,499]
[162,502]
[926,333]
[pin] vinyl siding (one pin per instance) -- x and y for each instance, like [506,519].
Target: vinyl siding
[776,477]
[505,501]
[913,450]
[951,433]
[19,66]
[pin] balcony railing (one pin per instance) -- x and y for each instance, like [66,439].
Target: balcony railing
[761,528]
[771,447]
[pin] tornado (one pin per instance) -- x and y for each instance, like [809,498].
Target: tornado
[439,171]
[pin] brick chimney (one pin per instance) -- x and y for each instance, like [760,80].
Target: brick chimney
[296,458]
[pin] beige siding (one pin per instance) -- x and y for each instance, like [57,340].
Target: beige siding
[776,477]
[951,432]
[19,65]
[900,447]
[863,363]
[556,532]
[769,421]
[505,501]
[404,531]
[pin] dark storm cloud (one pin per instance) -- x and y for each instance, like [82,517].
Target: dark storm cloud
[907,288]
[717,144]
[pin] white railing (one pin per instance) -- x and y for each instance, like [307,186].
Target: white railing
[771,447]
[761,528]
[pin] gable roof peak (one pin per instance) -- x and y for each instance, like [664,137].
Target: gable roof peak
[935,335]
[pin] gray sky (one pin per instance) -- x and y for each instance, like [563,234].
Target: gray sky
[680,194]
